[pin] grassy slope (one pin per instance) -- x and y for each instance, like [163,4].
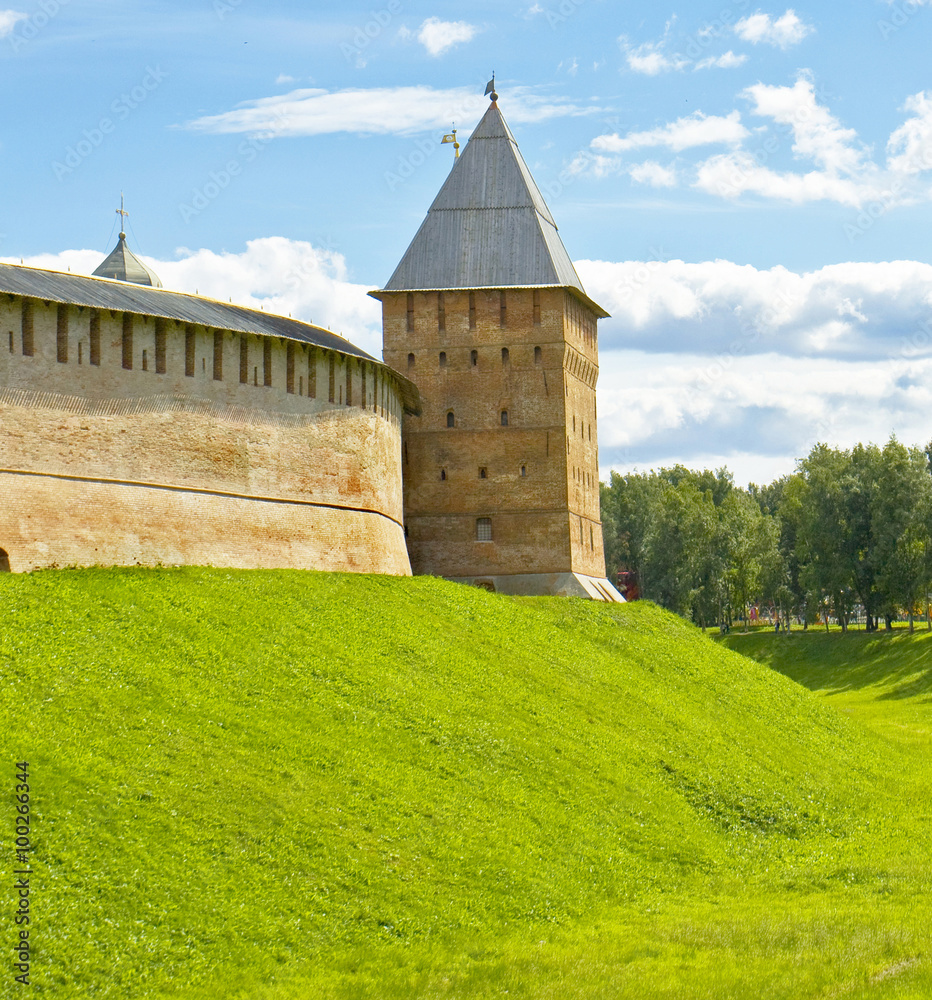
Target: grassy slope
[884,679]
[279,784]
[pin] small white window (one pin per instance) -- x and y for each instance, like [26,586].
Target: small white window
[483,529]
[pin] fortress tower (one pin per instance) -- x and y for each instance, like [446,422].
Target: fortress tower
[487,316]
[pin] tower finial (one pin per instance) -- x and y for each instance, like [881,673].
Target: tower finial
[451,137]
[122,214]
[490,89]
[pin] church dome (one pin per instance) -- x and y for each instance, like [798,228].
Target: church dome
[123,265]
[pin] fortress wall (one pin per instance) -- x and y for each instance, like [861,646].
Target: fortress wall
[315,483]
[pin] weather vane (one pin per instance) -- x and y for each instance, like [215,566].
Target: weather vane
[451,137]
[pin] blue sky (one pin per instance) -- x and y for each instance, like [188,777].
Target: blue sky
[747,189]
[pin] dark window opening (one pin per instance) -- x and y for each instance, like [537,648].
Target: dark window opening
[243,359]
[441,313]
[29,346]
[145,360]
[410,313]
[523,470]
[504,418]
[538,356]
[127,341]
[267,362]
[443,359]
[451,420]
[80,352]
[289,368]
[472,310]
[218,355]
[483,529]
[161,346]
[255,375]
[410,361]
[189,347]
[95,338]
[443,475]
[11,341]
[61,333]
[483,473]
[536,308]
[505,356]
[474,358]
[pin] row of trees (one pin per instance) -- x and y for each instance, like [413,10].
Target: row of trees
[850,528]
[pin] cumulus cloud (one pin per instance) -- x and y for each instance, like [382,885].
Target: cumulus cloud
[287,277]
[909,149]
[727,60]
[696,129]
[781,32]
[841,168]
[650,59]
[438,36]
[841,311]
[8,21]
[653,173]
[379,110]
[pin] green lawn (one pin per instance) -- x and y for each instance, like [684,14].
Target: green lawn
[287,785]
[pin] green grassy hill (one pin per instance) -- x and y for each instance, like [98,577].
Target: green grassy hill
[289,785]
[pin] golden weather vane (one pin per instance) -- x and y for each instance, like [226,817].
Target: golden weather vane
[451,137]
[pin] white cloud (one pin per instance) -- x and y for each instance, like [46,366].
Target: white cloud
[651,60]
[842,311]
[783,32]
[717,363]
[8,21]
[653,173]
[437,36]
[380,110]
[692,130]
[284,78]
[728,60]
[817,134]
[909,149]
[287,277]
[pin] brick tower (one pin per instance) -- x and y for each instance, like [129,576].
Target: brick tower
[487,316]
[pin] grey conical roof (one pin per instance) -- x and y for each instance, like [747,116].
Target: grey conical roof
[489,227]
[124,265]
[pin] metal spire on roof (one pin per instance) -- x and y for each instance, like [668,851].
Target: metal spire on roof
[122,264]
[122,214]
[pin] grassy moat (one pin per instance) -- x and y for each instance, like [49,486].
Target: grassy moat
[287,785]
